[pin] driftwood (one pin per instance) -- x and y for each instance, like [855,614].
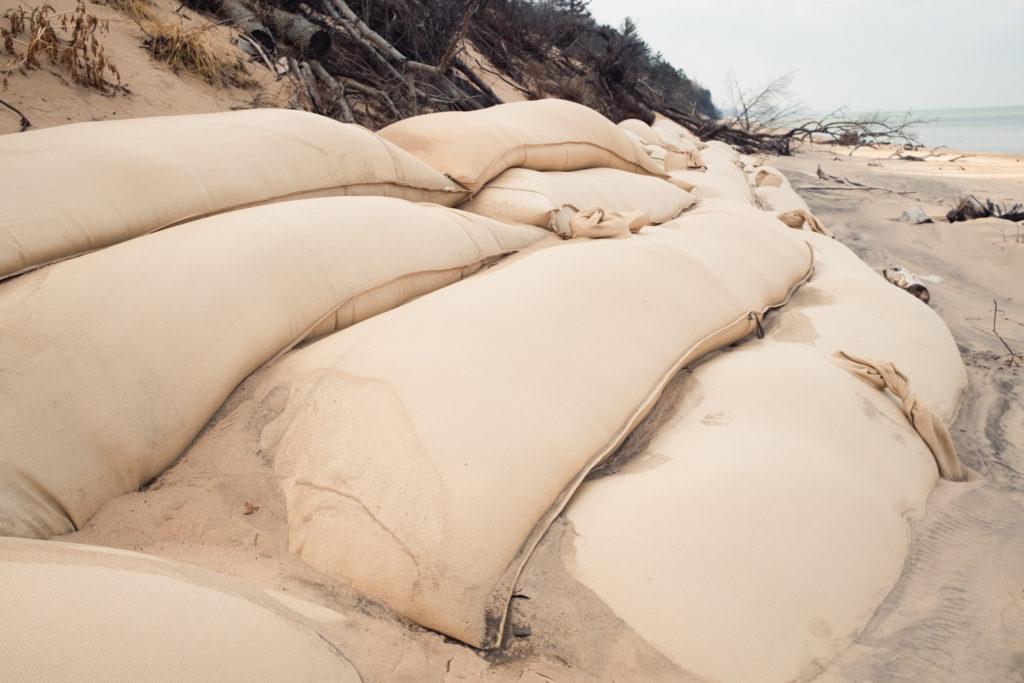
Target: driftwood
[335,89]
[393,59]
[904,279]
[1014,357]
[304,75]
[970,207]
[242,17]
[310,40]
[852,184]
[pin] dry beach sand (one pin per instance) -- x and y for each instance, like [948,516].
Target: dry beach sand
[956,611]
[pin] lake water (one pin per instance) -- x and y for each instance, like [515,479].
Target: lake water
[988,129]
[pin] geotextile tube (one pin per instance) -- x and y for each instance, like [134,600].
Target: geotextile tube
[84,186]
[118,358]
[445,462]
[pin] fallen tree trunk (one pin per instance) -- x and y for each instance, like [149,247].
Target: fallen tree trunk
[312,41]
[242,17]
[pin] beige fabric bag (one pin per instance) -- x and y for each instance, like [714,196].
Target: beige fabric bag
[114,361]
[762,521]
[687,541]
[80,187]
[790,207]
[549,199]
[642,131]
[95,615]
[671,132]
[847,306]
[780,199]
[682,152]
[769,176]
[444,461]
[712,184]
[473,147]
[722,148]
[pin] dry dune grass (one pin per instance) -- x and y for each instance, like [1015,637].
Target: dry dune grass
[137,9]
[184,49]
[72,40]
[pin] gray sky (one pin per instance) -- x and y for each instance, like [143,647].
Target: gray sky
[865,54]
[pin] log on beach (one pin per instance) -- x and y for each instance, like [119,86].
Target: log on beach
[311,40]
[904,279]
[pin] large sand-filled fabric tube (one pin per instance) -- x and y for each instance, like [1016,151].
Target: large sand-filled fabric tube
[722,148]
[848,307]
[769,176]
[670,131]
[113,362]
[712,184]
[473,147]
[689,155]
[76,188]
[763,521]
[549,199]
[443,461]
[96,615]
[642,131]
[779,199]
[790,207]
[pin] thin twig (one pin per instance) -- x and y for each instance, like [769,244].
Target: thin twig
[822,188]
[259,50]
[995,312]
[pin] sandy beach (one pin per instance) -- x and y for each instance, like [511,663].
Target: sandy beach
[956,610]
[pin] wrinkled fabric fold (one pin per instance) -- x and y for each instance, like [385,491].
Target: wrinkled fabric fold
[797,217]
[884,375]
[596,223]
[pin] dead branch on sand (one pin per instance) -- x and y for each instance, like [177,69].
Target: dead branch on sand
[25,123]
[1013,358]
[851,185]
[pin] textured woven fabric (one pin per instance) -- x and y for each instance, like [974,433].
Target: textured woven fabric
[519,381]
[473,147]
[85,186]
[115,360]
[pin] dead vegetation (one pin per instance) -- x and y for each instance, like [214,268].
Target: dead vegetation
[970,207]
[380,61]
[137,9]
[69,40]
[767,119]
[186,50]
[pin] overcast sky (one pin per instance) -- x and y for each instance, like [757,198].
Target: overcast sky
[865,54]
